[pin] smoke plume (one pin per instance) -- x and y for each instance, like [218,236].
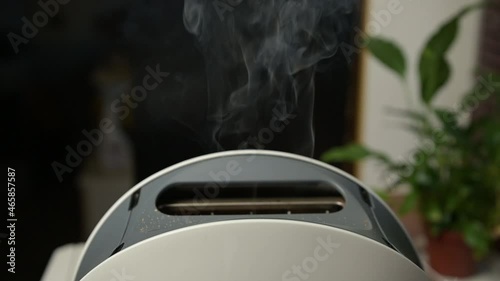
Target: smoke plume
[260,59]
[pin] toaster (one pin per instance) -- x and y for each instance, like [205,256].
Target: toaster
[249,215]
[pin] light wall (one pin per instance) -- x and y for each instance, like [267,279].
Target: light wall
[411,25]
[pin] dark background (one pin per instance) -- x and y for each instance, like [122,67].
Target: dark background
[49,95]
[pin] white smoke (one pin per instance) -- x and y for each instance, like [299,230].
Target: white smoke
[261,56]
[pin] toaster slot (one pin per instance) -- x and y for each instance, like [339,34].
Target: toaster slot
[250,198]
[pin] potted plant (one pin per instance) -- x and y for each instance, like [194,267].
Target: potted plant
[454,174]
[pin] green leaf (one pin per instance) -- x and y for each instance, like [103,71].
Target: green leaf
[411,114]
[433,67]
[350,153]
[433,213]
[389,54]
[477,237]
[447,117]
[434,73]
[409,203]
[442,40]
[449,122]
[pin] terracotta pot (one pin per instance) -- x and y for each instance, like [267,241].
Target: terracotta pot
[449,255]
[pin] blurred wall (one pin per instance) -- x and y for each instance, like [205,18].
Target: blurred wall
[413,23]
